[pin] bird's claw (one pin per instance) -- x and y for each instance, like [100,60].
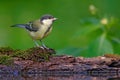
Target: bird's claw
[44,47]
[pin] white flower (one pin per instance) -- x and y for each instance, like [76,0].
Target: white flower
[104,21]
[92,9]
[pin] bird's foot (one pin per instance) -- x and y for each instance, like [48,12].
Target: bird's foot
[48,50]
[44,48]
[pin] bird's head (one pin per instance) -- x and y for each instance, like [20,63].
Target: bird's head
[47,19]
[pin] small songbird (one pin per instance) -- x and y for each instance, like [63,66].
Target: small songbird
[39,29]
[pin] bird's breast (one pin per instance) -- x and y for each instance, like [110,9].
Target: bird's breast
[42,32]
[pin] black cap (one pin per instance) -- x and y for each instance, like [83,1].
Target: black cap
[47,16]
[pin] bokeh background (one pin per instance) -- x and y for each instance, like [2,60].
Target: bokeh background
[84,28]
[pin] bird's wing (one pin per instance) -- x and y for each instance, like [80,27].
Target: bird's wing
[31,27]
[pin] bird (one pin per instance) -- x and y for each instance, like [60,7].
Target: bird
[39,29]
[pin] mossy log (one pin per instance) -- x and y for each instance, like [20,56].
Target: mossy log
[39,61]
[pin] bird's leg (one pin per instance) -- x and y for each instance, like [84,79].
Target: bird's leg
[36,44]
[43,45]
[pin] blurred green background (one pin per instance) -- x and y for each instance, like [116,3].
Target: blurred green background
[84,28]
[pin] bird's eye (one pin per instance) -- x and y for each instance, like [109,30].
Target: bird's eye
[49,17]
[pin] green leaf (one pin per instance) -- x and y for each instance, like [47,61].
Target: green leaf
[87,29]
[100,46]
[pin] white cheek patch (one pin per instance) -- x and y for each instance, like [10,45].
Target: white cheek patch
[47,22]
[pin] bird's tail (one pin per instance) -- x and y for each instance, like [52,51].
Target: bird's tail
[19,25]
[26,26]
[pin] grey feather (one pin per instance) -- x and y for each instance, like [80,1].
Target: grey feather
[20,25]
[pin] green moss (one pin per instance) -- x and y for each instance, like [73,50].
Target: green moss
[7,54]
[6,60]
[6,50]
[20,53]
[35,54]
[116,56]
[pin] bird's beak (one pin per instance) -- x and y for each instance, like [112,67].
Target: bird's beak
[55,19]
